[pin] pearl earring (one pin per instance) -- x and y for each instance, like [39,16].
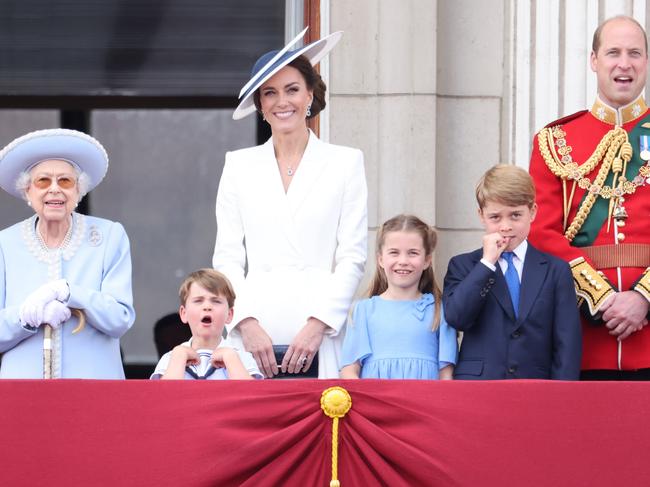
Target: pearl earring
[29,203]
[309,110]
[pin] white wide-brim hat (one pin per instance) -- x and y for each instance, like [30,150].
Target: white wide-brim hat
[273,61]
[77,148]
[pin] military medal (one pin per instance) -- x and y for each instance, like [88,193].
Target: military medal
[644,147]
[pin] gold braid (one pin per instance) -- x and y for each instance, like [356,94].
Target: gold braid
[614,143]
[572,170]
[588,202]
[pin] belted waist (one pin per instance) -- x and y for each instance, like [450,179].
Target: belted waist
[621,255]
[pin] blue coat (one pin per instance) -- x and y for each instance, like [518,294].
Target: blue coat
[96,262]
[543,343]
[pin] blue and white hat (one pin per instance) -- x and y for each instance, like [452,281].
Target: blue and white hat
[79,149]
[273,61]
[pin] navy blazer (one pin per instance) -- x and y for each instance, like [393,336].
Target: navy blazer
[545,342]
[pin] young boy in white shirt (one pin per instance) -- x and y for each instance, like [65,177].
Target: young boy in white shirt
[207,302]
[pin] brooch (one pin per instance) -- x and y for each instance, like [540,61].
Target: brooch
[94,236]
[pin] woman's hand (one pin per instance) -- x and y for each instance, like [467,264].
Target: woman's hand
[304,346]
[33,308]
[55,313]
[259,344]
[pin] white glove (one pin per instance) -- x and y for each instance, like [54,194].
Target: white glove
[31,311]
[55,313]
[60,288]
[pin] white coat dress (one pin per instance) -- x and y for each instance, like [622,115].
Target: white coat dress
[293,255]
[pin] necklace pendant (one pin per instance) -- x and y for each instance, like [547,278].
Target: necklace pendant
[289,171]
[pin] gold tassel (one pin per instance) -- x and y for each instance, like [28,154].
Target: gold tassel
[335,403]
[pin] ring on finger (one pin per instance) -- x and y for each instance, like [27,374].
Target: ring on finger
[303,360]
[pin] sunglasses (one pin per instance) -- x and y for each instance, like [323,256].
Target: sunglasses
[63,182]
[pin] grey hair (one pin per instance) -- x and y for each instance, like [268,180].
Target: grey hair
[24,180]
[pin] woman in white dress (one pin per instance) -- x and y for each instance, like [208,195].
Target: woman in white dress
[291,222]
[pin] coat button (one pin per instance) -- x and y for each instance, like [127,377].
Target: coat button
[512,369]
[516,334]
[491,280]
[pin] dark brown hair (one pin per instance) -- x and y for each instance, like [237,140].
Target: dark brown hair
[211,280]
[427,284]
[313,81]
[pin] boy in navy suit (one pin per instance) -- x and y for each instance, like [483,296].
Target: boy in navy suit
[515,305]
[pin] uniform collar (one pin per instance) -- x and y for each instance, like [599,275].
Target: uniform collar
[619,116]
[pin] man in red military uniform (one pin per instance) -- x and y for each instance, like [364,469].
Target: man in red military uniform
[592,174]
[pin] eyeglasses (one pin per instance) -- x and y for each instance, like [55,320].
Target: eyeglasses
[63,182]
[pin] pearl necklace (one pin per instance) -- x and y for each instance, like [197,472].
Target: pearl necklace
[64,243]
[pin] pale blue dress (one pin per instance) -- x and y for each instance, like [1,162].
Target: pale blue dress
[95,259]
[393,340]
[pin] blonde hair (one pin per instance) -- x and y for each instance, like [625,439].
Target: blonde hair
[506,184]
[213,281]
[427,284]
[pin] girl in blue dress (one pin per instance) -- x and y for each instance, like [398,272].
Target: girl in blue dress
[400,332]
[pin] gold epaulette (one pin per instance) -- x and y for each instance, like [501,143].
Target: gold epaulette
[591,285]
[643,284]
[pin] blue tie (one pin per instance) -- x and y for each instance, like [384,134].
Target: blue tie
[512,280]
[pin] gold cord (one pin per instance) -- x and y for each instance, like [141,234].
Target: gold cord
[614,151]
[335,403]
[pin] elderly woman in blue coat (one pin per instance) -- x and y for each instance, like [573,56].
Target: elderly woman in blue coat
[59,261]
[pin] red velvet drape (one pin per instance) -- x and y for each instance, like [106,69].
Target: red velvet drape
[273,433]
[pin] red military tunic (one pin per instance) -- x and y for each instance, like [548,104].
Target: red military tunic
[575,140]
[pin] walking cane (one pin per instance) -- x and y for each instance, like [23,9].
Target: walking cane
[47,341]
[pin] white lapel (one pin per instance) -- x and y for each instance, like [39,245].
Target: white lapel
[311,167]
[271,186]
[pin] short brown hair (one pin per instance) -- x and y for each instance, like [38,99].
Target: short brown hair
[506,184]
[595,43]
[213,281]
[313,81]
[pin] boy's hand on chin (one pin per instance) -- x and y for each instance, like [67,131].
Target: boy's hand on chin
[493,246]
